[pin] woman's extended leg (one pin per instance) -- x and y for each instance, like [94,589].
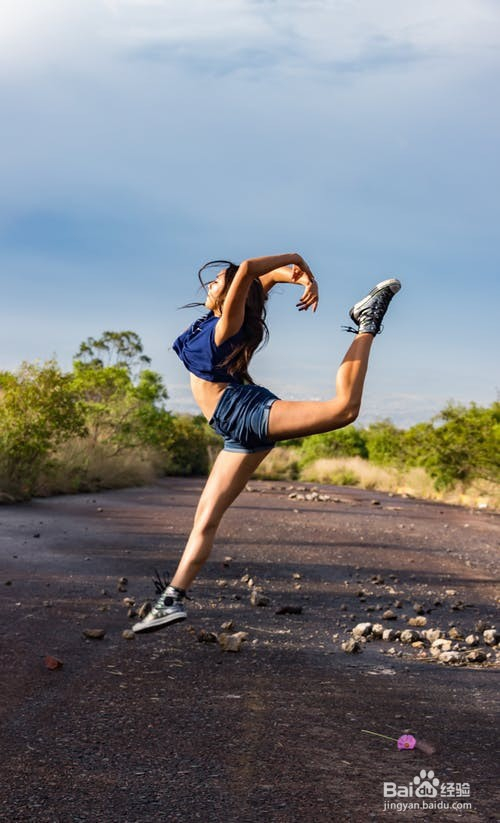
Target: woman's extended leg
[297,418]
[228,478]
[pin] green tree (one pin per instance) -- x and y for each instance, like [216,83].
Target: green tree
[39,410]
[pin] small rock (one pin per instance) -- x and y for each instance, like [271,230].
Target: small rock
[418,608]
[128,634]
[476,656]
[375,502]
[389,615]
[472,640]
[389,635]
[417,621]
[296,576]
[362,630]
[222,583]
[455,634]
[351,646]
[491,637]
[207,637]
[245,578]
[451,592]
[378,580]
[227,626]
[481,626]
[258,599]
[409,636]
[94,634]
[227,560]
[232,642]
[131,612]
[52,662]
[343,607]
[432,634]
[457,606]
[122,584]
[289,610]
[398,604]
[377,630]
[128,601]
[450,657]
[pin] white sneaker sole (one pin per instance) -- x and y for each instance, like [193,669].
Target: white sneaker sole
[149,625]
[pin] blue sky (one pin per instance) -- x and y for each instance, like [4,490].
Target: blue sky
[141,138]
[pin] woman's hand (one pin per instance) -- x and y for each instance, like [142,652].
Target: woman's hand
[310,297]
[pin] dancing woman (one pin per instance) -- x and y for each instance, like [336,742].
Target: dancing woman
[217,349]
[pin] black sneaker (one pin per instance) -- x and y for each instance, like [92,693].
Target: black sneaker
[167,609]
[369,312]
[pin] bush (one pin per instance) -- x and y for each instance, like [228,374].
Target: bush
[39,410]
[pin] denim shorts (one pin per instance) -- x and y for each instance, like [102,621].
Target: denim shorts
[242,418]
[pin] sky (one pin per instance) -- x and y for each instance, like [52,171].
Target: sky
[141,138]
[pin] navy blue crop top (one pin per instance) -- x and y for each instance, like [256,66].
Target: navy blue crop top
[201,356]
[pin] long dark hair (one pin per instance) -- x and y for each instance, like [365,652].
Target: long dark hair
[254,328]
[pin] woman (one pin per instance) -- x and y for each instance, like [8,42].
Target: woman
[217,349]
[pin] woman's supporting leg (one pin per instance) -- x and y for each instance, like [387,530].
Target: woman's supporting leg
[297,418]
[228,478]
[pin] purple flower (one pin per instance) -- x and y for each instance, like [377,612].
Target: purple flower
[406,741]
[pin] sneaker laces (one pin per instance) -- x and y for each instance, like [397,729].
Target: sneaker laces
[356,331]
[162,583]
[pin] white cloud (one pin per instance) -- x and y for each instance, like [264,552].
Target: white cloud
[338,34]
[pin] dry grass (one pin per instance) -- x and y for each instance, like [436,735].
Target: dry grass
[284,464]
[82,465]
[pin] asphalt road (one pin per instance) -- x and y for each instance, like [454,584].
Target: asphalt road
[166,728]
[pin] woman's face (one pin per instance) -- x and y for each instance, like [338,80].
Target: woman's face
[214,290]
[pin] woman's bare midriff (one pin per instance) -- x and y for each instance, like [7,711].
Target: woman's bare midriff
[206,394]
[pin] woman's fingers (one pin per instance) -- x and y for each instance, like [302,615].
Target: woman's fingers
[309,298]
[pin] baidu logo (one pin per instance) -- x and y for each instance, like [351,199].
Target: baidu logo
[426,791]
[426,785]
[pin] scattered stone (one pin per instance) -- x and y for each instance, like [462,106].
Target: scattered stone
[389,634]
[482,625]
[245,578]
[351,646]
[343,607]
[296,576]
[227,560]
[52,663]
[222,583]
[131,612]
[491,637]
[418,608]
[389,615]
[378,579]
[227,626]
[377,630]
[409,636]
[418,644]
[398,604]
[122,584]
[362,630]
[94,634]
[375,502]
[450,657]
[476,656]
[432,634]
[128,634]
[417,621]
[457,606]
[455,634]
[232,642]
[289,610]
[128,601]
[207,637]
[451,592]
[258,599]
[472,640]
